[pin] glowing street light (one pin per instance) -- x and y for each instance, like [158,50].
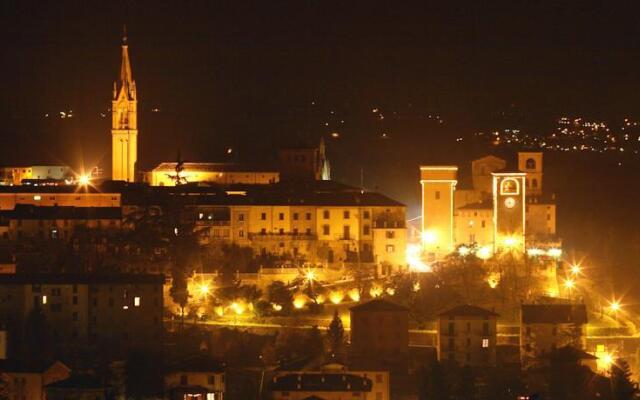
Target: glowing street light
[84,180]
[204,289]
[569,284]
[310,276]
[575,269]
[464,251]
[615,306]
[429,237]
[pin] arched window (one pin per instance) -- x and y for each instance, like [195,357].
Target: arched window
[534,183]
[530,163]
[509,186]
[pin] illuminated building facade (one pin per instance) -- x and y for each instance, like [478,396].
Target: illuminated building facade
[503,209]
[509,211]
[15,175]
[222,173]
[438,186]
[305,162]
[124,122]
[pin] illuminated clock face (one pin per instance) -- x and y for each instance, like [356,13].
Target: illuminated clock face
[509,202]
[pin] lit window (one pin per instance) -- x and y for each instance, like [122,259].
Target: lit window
[44,299]
[485,343]
[509,186]
[211,396]
[136,301]
[37,197]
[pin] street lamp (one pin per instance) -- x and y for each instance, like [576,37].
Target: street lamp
[575,269]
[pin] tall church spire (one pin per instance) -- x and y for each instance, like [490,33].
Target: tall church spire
[124,125]
[127,84]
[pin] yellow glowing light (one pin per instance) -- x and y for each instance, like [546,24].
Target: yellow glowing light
[606,360]
[84,179]
[484,253]
[219,311]
[276,307]
[533,252]
[464,251]
[575,269]
[414,259]
[237,307]
[493,280]
[390,291]
[310,276]
[569,283]
[552,292]
[615,306]
[429,237]
[354,294]
[554,252]
[204,289]
[336,297]
[299,301]
[510,241]
[320,299]
[375,291]
[416,286]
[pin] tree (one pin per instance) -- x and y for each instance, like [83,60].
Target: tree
[335,334]
[314,343]
[279,293]
[622,387]
[567,378]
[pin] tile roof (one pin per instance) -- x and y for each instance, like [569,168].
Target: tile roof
[379,305]
[467,310]
[554,314]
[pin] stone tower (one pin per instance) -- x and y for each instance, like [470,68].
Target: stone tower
[438,185]
[124,125]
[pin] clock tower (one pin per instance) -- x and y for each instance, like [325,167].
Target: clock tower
[124,121]
[509,211]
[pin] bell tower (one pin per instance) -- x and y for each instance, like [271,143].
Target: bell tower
[124,121]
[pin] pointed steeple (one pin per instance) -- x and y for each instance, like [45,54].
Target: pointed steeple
[127,84]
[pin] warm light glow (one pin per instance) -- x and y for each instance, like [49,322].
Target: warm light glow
[533,252]
[552,292]
[414,259]
[354,294]
[320,299]
[390,291]
[310,276]
[615,306]
[606,360]
[429,237]
[416,286]
[464,251]
[555,252]
[493,280]
[484,253]
[569,283]
[510,242]
[237,307]
[219,311]
[84,179]
[336,297]
[375,291]
[299,301]
[276,307]
[204,289]
[575,269]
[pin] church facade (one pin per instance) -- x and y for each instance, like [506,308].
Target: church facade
[124,122]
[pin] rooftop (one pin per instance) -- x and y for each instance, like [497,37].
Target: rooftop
[481,205]
[80,381]
[554,314]
[212,167]
[79,278]
[467,310]
[379,305]
[196,363]
[33,212]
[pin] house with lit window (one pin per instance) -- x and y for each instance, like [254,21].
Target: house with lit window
[467,336]
[324,385]
[27,380]
[197,377]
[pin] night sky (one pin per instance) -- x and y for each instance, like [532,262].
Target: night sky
[254,76]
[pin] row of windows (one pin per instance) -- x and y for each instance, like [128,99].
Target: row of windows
[326,214]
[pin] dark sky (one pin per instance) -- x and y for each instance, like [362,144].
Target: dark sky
[252,75]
